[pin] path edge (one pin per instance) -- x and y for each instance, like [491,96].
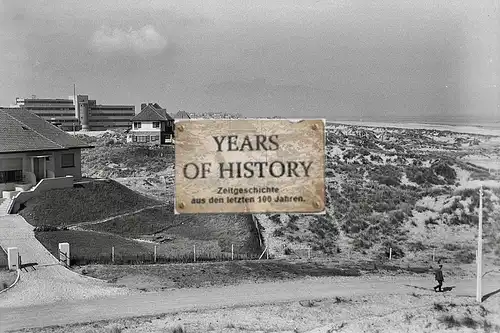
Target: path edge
[13,284]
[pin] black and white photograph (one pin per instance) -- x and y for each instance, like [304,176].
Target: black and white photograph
[283,166]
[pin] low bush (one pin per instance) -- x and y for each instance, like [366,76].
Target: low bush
[466,256]
[416,246]
[397,251]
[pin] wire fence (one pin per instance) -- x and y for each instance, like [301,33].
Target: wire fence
[144,259]
[157,254]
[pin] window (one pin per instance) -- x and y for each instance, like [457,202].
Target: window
[137,124]
[156,124]
[11,176]
[143,138]
[134,138]
[155,138]
[67,160]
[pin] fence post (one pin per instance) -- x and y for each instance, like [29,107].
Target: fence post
[13,258]
[113,254]
[309,253]
[390,253]
[433,255]
[267,252]
[194,252]
[232,251]
[64,254]
[155,253]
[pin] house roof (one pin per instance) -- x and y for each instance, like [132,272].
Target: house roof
[21,130]
[182,115]
[152,112]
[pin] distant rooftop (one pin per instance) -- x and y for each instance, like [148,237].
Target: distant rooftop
[152,112]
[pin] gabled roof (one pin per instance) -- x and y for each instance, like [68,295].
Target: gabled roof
[182,115]
[21,130]
[152,112]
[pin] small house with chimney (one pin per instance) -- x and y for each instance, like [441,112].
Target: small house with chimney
[153,125]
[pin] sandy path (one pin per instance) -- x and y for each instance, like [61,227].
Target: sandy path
[50,282]
[81,224]
[16,232]
[216,297]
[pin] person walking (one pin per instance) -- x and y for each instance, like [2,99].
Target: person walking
[438,275]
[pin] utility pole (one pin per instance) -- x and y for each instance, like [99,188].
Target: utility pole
[479,259]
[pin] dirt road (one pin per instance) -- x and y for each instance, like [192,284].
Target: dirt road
[217,297]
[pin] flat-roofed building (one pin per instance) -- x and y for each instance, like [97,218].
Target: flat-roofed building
[79,113]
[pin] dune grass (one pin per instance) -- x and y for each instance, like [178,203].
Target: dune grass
[83,203]
[91,247]
[225,229]
[3,259]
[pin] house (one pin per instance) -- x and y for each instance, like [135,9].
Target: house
[32,149]
[153,125]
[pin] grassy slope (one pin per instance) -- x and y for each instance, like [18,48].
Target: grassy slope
[104,199]
[4,262]
[87,202]
[91,245]
[225,229]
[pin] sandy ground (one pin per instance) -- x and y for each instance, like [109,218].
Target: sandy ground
[364,304]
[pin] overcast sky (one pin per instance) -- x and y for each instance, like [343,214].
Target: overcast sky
[335,59]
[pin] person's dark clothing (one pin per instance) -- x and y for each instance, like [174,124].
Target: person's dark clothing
[438,275]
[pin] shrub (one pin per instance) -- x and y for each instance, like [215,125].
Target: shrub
[275,218]
[178,329]
[323,228]
[397,251]
[278,232]
[431,220]
[466,256]
[417,246]
[358,244]
[292,226]
[469,322]
[443,169]
[450,321]
[439,307]
[451,247]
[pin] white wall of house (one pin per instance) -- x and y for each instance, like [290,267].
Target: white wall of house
[146,126]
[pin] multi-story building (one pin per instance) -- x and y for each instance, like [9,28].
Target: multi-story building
[153,125]
[79,113]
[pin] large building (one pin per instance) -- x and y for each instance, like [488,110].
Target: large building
[79,113]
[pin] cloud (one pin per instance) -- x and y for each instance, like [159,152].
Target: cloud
[143,41]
